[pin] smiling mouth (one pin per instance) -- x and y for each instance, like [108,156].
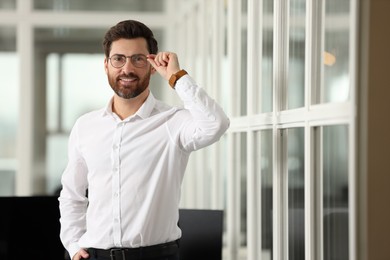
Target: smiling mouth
[127,80]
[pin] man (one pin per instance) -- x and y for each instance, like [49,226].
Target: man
[131,155]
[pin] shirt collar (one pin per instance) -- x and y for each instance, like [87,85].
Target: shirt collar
[147,107]
[143,112]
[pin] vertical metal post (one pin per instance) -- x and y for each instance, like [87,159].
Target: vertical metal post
[25,41]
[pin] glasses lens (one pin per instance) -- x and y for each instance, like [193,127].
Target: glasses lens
[139,60]
[118,61]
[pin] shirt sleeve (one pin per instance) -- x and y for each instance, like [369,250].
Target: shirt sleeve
[73,201]
[206,121]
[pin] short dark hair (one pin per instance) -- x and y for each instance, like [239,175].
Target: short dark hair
[129,29]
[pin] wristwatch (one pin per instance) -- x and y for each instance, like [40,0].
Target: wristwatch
[175,77]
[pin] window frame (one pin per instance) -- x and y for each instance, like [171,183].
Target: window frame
[311,116]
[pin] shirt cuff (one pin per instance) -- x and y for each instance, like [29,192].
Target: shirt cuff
[73,249]
[186,88]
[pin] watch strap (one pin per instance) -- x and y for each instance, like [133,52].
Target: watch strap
[175,77]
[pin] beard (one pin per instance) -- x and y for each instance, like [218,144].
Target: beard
[132,89]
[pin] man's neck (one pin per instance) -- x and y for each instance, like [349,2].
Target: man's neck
[128,107]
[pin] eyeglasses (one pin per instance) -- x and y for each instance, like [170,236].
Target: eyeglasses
[119,60]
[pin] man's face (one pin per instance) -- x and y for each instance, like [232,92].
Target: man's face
[128,81]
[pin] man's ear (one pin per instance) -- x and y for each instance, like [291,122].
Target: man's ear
[106,65]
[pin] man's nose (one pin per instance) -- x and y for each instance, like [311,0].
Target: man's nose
[128,67]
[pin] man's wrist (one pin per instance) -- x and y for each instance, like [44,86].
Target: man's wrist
[175,77]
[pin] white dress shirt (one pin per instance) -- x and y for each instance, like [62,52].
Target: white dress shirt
[133,170]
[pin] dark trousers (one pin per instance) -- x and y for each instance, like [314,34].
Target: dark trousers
[172,257]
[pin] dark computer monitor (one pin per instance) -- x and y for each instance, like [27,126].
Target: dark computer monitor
[201,234]
[29,228]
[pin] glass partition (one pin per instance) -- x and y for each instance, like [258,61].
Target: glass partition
[296,64]
[77,85]
[266,79]
[296,193]
[336,81]
[264,170]
[335,192]
[9,109]
[242,170]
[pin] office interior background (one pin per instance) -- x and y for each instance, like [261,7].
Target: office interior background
[303,171]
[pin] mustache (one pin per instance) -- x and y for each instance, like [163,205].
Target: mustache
[129,75]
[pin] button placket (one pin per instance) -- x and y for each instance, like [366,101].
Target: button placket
[116,180]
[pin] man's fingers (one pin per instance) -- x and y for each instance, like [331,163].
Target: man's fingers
[166,63]
[152,61]
[81,254]
[161,58]
[84,254]
[151,56]
[165,58]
